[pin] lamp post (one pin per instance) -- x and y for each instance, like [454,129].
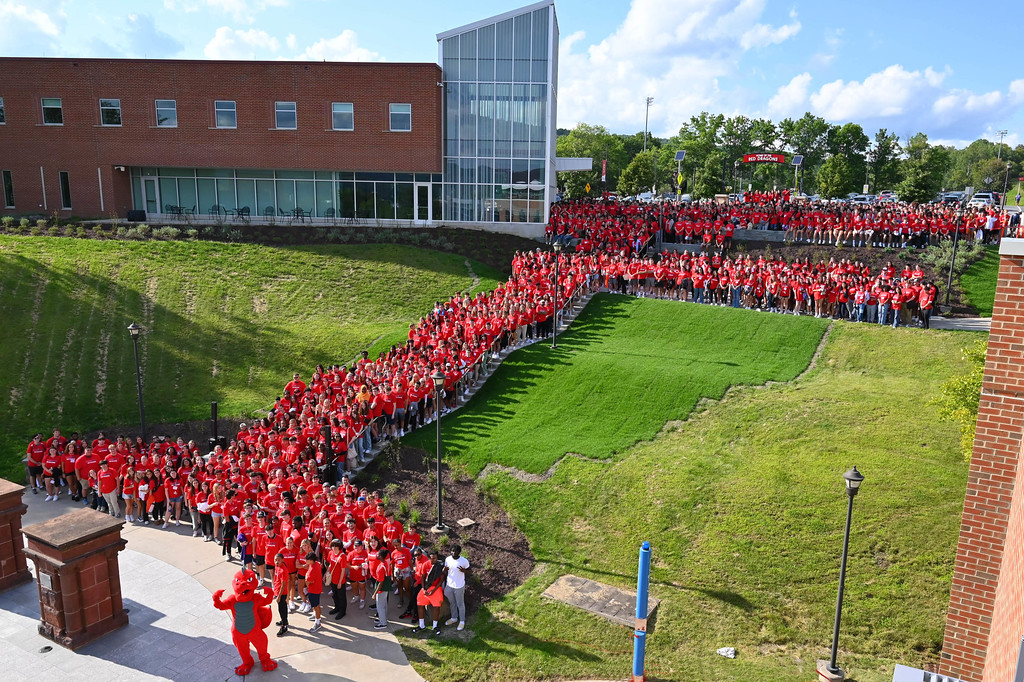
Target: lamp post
[647,112]
[853,480]
[1006,179]
[134,330]
[438,379]
[554,313]
[999,149]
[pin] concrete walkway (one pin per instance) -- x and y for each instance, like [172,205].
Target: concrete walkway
[167,578]
[970,324]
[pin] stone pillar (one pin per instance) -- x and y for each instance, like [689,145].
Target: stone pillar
[985,620]
[13,568]
[78,576]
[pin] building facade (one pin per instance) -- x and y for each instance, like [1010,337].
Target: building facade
[473,142]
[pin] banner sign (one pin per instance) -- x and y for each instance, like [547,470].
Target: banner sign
[604,175]
[764,158]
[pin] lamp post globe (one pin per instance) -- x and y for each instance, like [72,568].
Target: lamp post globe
[134,331]
[438,378]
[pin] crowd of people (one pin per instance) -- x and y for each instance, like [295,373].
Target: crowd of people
[270,509]
[278,495]
[609,225]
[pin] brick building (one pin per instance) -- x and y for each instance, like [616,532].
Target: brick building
[985,621]
[286,140]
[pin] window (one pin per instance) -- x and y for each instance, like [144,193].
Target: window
[401,117]
[53,113]
[3,119]
[284,114]
[166,113]
[341,116]
[226,115]
[110,112]
[65,190]
[8,190]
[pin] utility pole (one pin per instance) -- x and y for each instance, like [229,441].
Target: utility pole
[999,150]
[647,112]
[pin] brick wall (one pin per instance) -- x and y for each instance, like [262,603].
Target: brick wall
[986,617]
[84,148]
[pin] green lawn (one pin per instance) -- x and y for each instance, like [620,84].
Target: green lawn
[624,369]
[744,506]
[979,281]
[223,322]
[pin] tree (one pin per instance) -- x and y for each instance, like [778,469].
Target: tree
[835,177]
[993,170]
[885,160]
[850,142]
[596,143]
[923,170]
[709,176]
[807,135]
[639,174]
[959,400]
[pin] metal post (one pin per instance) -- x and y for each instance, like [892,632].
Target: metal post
[647,113]
[440,527]
[213,418]
[1006,179]
[554,317]
[833,668]
[999,149]
[138,376]
[640,629]
[952,261]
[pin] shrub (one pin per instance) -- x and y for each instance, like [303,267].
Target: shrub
[36,231]
[24,223]
[960,395]
[81,232]
[414,516]
[939,257]
[142,229]
[42,223]
[192,233]
[7,221]
[403,509]
[121,232]
[54,231]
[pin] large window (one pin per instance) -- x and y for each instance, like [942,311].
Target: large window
[284,115]
[401,117]
[8,190]
[342,117]
[226,117]
[53,112]
[110,112]
[3,119]
[167,113]
[65,190]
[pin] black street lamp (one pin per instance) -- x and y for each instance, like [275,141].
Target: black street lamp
[439,378]
[853,480]
[134,330]
[554,316]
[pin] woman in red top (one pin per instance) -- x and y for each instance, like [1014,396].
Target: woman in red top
[357,571]
[314,587]
[337,563]
[70,475]
[51,464]
[36,451]
[129,484]
[174,491]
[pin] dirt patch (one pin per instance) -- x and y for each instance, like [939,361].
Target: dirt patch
[499,552]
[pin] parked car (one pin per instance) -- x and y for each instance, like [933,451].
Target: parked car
[891,197]
[863,199]
[983,199]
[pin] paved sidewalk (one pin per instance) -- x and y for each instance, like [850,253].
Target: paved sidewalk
[167,578]
[970,324]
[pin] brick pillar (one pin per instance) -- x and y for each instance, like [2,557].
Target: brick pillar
[978,581]
[13,568]
[78,576]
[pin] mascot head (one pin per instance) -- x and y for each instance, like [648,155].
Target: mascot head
[245,584]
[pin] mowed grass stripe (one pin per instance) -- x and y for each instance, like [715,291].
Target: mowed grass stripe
[744,507]
[625,368]
[259,312]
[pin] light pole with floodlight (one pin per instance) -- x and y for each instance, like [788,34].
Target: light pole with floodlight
[554,316]
[853,480]
[134,330]
[647,113]
[438,378]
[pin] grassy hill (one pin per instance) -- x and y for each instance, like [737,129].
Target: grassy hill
[225,322]
[743,503]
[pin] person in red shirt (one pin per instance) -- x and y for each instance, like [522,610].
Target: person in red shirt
[174,491]
[337,564]
[281,587]
[36,451]
[401,559]
[382,573]
[106,482]
[431,593]
[357,571]
[314,587]
[51,464]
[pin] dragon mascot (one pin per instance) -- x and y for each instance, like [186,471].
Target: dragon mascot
[250,614]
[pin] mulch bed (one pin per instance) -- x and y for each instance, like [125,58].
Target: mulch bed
[498,551]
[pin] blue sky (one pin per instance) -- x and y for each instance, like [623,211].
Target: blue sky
[898,65]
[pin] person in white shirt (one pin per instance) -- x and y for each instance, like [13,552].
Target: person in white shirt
[455,569]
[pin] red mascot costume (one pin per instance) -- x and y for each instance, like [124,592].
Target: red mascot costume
[250,614]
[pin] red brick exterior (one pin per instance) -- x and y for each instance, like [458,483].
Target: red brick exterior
[82,145]
[986,613]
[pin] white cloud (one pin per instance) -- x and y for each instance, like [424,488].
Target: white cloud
[344,47]
[678,51]
[244,10]
[12,14]
[228,43]
[791,98]
[290,41]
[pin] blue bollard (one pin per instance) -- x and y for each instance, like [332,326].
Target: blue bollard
[640,631]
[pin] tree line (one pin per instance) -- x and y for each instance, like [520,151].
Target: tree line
[837,160]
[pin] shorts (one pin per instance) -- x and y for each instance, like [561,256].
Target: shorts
[405,573]
[35,471]
[216,515]
[435,599]
[127,496]
[259,560]
[174,500]
[314,599]
[247,559]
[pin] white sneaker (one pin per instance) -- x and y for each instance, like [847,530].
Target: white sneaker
[293,607]
[177,522]
[195,533]
[462,626]
[165,525]
[451,621]
[48,498]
